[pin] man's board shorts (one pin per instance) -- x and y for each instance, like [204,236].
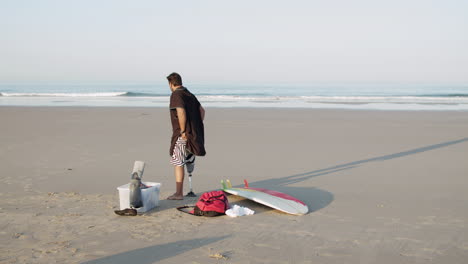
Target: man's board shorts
[181,155]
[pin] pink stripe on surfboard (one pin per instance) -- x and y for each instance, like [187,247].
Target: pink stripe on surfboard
[275,193]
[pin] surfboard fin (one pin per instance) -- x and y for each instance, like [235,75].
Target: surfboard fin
[223,184]
[246,183]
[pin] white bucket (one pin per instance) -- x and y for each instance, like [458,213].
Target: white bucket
[150,196]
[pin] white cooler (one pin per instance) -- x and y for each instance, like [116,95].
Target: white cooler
[150,196]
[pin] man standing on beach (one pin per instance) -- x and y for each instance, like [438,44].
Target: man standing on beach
[188,136]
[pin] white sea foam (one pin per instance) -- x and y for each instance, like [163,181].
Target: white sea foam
[106,94]
[386,98]
[339,99]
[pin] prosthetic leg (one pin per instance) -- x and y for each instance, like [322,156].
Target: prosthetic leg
[190,165]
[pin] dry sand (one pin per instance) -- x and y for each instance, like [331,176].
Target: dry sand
[383,187]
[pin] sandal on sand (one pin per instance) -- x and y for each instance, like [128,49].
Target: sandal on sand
[175,197]
[126,212]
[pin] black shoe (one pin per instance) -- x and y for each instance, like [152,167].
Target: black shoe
[126,212]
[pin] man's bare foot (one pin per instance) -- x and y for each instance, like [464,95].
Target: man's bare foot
[175,197]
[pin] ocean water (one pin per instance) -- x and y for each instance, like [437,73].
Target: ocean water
[320,96]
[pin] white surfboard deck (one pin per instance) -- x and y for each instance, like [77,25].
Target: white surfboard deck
[277,200]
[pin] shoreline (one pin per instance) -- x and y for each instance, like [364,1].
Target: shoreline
[243,108]
[424,103]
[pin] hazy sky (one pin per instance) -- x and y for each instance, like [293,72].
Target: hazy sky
[406,41]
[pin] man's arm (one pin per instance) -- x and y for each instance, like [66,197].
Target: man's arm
[202,113]
[181,115]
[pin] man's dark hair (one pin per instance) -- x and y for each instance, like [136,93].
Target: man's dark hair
[175,79]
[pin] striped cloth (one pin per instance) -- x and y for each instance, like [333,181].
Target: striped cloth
[180,152]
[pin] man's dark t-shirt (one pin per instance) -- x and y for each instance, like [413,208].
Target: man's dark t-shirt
[194,129]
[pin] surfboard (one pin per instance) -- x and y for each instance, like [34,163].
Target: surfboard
[274,199]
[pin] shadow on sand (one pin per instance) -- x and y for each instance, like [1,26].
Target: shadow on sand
[317,199]
[156,253]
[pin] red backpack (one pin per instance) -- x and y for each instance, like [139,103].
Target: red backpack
[210,204]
